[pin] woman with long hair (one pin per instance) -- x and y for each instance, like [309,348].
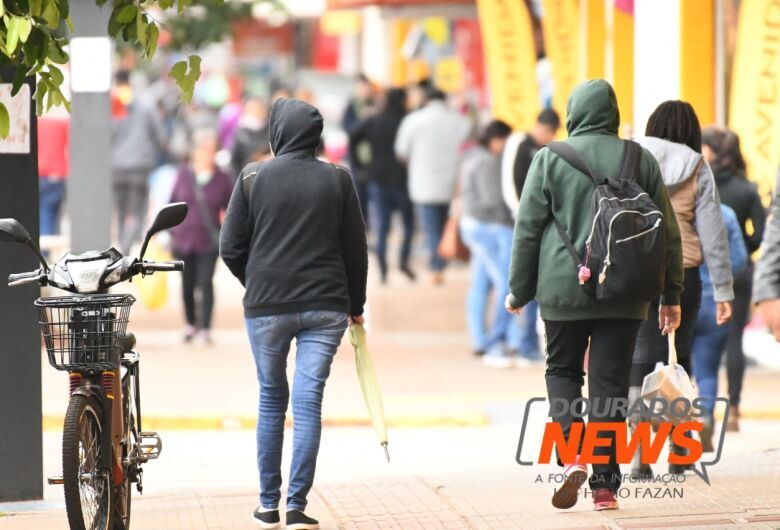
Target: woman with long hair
[673,136]
[721,147]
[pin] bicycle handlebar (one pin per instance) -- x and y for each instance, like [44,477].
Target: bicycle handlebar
[161,266]
[25,277]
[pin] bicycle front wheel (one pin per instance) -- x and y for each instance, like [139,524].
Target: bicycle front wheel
[87,487]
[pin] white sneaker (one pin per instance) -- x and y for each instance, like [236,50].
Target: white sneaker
[496,357]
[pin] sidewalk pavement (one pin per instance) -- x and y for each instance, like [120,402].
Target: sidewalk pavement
[439,478]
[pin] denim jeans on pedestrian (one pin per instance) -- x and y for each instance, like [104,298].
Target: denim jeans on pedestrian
[317,335]
[526,339]
[433,217]
[709,343]
[387,198]
[491,246]
[51,192]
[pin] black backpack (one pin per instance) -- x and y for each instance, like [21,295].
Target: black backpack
[625,253]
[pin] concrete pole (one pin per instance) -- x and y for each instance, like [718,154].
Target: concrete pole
[90,203]
[21,455]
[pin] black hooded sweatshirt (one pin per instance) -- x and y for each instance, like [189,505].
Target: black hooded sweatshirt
[297,242]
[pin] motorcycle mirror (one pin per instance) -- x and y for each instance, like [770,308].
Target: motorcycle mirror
[12,231]
[169,216]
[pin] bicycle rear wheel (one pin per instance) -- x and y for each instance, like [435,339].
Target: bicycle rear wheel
[87,487]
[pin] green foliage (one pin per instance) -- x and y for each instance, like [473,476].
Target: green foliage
[32,41]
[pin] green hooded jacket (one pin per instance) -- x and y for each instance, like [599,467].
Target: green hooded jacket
[541,266]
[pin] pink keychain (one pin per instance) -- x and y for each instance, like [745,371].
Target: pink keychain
[584,271]
[584,274]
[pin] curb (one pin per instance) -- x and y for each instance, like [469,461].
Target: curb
[227,423]
[214,423]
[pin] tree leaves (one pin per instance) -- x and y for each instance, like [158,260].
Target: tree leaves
[186,74]
[30,41]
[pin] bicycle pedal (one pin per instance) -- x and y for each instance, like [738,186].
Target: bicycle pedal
[56,481]
[150,445]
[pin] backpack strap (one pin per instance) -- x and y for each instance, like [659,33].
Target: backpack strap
[629,167]
[568,242]
[574,159]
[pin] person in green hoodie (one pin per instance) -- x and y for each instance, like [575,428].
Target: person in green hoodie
[542,269]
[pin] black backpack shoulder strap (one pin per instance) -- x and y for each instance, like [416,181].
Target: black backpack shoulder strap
[247,176]
[574,159]
[629,167]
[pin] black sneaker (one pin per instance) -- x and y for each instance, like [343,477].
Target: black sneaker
[267,519]
[297,520]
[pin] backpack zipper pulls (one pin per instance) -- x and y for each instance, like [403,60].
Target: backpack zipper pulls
[603,275]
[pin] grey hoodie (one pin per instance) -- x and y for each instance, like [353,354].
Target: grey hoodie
[678,164]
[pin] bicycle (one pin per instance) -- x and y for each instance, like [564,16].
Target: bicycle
[103,445]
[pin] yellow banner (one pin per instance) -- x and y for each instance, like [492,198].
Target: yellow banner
[755,92]
[561,27]
[510,56]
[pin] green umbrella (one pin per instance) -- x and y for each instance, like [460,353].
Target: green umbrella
[368,383]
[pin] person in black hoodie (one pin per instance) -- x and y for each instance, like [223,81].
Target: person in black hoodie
[294,237]
[722,150]
[387,187]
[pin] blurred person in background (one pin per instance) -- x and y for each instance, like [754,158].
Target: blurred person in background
[294,237]
[722,150]
[251,141]
[53,168]
[766,285]
[516,159]
[207,191]
[387,186]
[137,141]
[359,107]
[673,137]
[429,142]
[417,94]
[709,337]
[486,228]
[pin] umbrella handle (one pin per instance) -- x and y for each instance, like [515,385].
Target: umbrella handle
[387,453]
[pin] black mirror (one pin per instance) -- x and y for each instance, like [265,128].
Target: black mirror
[169,216]
[13,231]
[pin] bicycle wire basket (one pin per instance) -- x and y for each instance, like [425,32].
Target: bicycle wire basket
[81,333]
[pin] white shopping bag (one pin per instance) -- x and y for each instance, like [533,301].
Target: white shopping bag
[669,383]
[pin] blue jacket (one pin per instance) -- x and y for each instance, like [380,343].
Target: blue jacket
[737,250]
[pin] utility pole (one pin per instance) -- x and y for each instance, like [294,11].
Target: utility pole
[89,185]
[21,453]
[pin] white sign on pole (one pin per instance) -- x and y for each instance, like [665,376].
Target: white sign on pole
[90,64]
[18,106]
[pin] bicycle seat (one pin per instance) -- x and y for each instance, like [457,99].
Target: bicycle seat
[126,342]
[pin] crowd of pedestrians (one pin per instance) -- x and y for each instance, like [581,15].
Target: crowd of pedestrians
[295,235]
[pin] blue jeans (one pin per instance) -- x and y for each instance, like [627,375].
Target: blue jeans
[527,342]
[386,199]
[50,193]
[434,217]
[318,335]
[491,246]
[709,343]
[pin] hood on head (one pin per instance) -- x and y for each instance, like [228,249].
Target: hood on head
[592,109]
[294,126]
[677,161]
